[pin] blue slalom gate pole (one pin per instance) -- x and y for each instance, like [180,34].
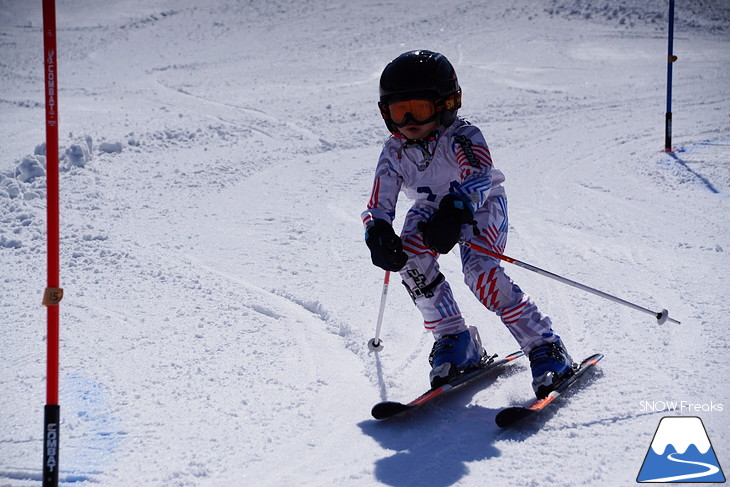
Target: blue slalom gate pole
[671,58]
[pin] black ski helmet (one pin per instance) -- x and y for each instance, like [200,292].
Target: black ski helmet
[420,74]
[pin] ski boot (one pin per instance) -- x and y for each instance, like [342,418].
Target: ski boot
[452,354]
[551,365]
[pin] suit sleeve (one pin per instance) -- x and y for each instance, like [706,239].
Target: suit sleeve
[384,195]
[475,165]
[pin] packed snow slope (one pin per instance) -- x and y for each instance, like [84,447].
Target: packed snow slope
[218,294]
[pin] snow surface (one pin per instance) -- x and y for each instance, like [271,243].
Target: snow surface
[218,293]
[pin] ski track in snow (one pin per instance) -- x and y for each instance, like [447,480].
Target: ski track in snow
[219,297]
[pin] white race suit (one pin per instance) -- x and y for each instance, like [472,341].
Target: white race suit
[454,160]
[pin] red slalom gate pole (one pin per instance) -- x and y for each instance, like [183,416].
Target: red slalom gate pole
[53,292]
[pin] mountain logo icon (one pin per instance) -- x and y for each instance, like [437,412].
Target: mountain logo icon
[680,452]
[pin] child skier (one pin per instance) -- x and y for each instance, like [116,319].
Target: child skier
[443,163]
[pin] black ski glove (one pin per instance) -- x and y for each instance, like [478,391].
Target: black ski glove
[442,231]
[386,248]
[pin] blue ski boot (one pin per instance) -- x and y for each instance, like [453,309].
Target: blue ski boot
[452,354]
[551,365]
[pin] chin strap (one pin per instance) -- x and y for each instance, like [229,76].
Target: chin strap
[422,145]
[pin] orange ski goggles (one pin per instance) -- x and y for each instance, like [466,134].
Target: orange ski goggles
[418,111]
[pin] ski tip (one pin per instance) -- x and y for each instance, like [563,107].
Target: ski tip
[387,409]
[592,360]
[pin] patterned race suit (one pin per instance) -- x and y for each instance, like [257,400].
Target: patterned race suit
[455,160]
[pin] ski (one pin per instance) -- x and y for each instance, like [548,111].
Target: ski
[508,416]
[388,409]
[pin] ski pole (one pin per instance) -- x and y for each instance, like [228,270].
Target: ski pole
[376,344]
[662,316]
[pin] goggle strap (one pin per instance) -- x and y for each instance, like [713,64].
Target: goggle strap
[384,110]
[452,102]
